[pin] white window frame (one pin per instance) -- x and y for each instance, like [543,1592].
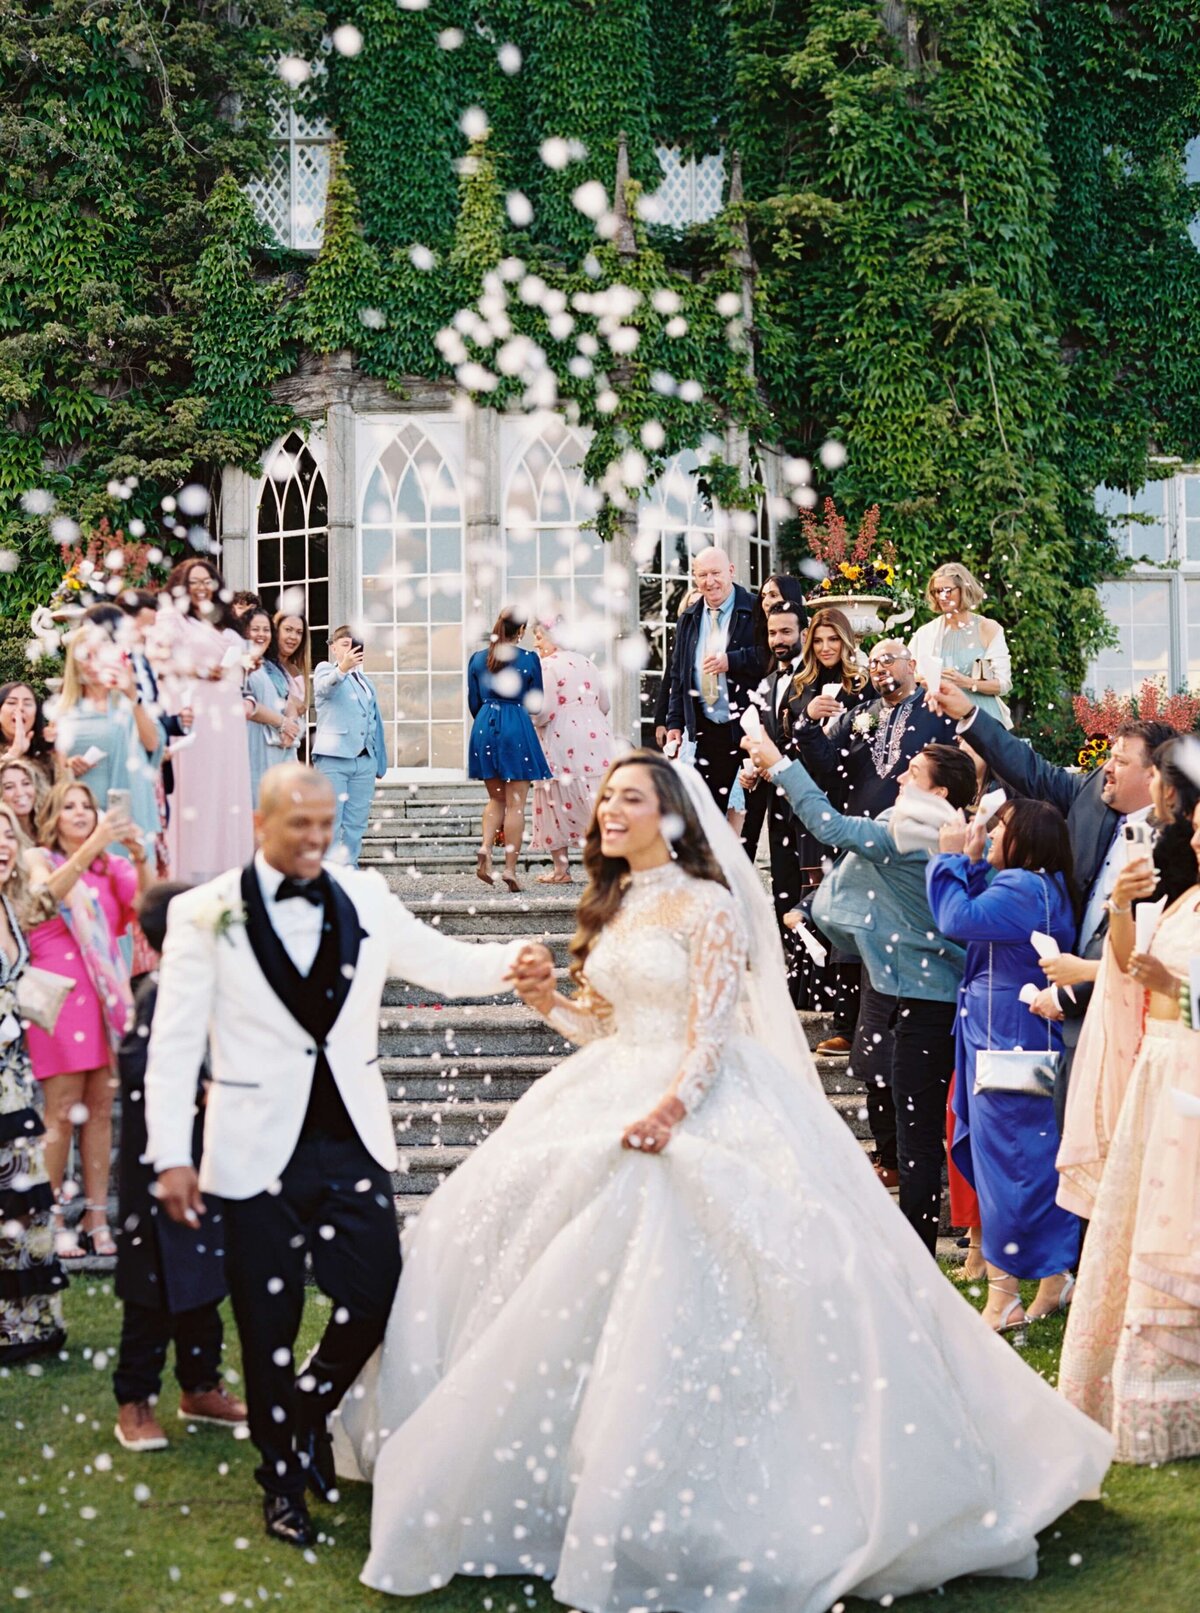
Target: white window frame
[676,168]
[1176,570]
[291,139]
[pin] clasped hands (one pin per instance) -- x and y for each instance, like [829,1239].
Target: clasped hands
[532,978]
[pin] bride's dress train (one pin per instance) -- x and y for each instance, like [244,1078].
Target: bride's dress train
[729,1374]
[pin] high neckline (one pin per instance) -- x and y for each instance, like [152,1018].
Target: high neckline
[640,878]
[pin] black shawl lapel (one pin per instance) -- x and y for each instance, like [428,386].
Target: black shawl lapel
[350,935]
[282,975]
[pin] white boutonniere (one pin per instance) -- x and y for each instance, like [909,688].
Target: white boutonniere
[220,916]
[864,722]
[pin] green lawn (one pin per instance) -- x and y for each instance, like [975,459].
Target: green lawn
[87,1528]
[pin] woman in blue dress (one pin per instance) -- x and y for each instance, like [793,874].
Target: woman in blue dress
[1005,1142]
[503,683]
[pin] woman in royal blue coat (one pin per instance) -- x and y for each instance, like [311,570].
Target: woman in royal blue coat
[1005,1143]
[503,683]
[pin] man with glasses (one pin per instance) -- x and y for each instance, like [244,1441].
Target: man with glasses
[859,762]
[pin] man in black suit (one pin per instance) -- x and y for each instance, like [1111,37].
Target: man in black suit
[1096,806]
[784,631]
[715,665]
[860,761]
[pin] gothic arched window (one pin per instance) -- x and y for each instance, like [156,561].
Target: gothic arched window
[412,581]
[291,547]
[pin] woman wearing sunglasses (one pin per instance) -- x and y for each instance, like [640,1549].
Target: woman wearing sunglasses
[972,649]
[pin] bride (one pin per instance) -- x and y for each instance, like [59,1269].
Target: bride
[664,1338]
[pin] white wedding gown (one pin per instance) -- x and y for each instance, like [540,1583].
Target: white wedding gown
[726,1375]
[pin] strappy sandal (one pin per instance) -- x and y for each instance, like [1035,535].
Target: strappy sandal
[67,1243]
[554,879]
[1004,1325]
[1064,1303]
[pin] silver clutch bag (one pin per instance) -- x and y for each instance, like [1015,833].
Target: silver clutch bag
[1001,1071]
[40,996]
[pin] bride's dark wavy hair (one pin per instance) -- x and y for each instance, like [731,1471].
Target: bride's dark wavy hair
[608,876]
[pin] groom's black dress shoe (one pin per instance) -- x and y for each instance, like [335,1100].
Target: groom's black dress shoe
[286,1518]
[315,1450]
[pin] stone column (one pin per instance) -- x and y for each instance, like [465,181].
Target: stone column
[623,611]
[237,528]
[483,567]
[345,562]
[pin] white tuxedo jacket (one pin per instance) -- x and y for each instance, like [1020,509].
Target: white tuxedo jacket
[213,992]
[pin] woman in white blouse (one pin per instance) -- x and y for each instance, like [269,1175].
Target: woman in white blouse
[971,648]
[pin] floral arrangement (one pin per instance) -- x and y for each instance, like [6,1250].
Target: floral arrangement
[1100,719]
[89,567]
[865,566]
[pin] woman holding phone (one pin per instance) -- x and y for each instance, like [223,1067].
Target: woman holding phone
[95,894]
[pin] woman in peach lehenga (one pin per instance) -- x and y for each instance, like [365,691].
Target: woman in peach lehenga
[1131,1357]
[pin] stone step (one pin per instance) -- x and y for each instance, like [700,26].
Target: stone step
[432,1124]
[490,916]
[464,1030]
[403,994]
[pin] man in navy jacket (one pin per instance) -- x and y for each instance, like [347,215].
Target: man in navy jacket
[715,666]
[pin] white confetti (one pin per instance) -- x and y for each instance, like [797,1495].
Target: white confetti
[347,40]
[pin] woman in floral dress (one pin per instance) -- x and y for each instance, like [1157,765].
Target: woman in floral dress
[30,1276]
[577,738]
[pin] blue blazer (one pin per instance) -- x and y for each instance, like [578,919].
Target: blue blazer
[348,717]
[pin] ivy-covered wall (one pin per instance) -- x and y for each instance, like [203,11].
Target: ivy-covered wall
[968,226]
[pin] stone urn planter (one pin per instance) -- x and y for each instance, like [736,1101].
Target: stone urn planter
[865,612]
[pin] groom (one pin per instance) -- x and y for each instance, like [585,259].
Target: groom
[280,968]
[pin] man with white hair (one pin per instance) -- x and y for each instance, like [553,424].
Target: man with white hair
[715,666]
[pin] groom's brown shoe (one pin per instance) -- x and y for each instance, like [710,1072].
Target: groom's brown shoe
[286,1518]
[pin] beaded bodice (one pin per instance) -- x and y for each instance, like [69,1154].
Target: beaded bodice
[667,968]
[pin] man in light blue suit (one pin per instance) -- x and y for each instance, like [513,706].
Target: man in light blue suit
[348,747]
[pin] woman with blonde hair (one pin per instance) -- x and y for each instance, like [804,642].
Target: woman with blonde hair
[30,1276]
[971,648]
[23,789]
[92,905]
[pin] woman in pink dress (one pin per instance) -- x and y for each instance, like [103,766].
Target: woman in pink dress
[95,892]
[577,739]
[200,654]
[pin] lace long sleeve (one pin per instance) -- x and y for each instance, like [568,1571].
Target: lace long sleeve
[718,957]
[581,1019]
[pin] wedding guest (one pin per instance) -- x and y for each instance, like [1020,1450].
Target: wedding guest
[348,746]
[504,683]
[1096,805]
[783,832]
[141,608]
[971,648]
[829,656]
[1131,1356]
[202,650]
[1005,1137]
[577,742]
[31,1278]
[23,788]
[873,902]
[23,730]
[662,704]
[170,1277]
[715,665]
[861,758]
[273,727]
[777,589]
[293,646]
[104,730]
[1107,1025]
[94,892]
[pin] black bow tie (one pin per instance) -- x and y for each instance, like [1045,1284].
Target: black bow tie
[292,887]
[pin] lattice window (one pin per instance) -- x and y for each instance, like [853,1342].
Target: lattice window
[693,189]
[290,197]
[551,565]
[760,546]
[412,580]
[674,524]
[292,537]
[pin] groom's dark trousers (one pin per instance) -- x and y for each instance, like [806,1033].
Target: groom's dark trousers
[333,1204]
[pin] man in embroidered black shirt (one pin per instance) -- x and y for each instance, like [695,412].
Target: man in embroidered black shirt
[859,762]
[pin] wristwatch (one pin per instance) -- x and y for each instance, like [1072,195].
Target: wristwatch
[1115,907]
[974,688]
